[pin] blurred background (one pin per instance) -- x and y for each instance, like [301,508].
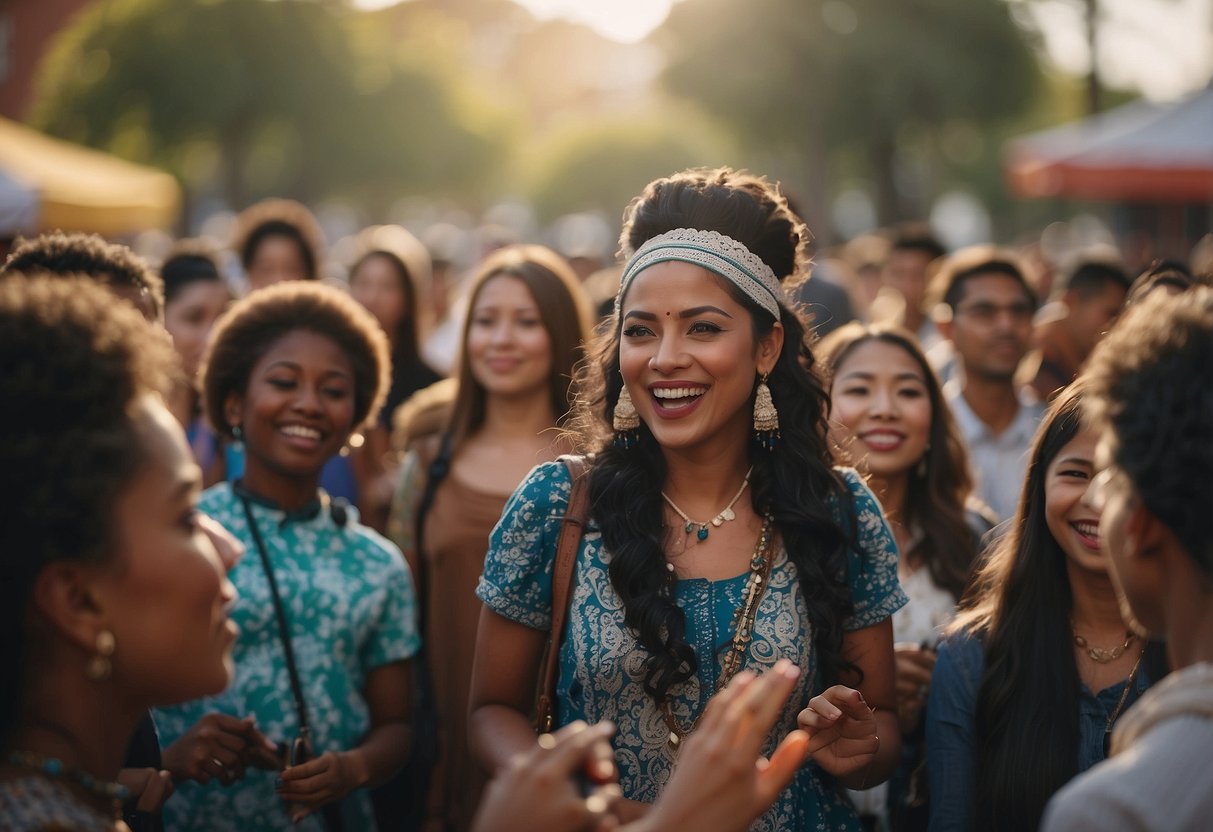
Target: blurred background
[1063,122]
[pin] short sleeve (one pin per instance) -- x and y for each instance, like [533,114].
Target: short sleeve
[952,733]
[517,579]
[394,635]
[872,565]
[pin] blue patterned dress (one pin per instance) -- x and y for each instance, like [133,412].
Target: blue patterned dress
[351,608]
[601,664]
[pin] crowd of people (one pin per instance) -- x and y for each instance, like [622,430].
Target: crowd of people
[919,544]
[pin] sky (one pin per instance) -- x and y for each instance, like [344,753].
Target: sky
[1162,47]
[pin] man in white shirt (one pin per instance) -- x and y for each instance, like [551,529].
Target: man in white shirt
[986,306]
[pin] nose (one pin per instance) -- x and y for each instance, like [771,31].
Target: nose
[883,405]
[307,399]
[503,332]
[227,547]
[669,357]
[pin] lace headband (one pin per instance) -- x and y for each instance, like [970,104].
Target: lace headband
[715,252]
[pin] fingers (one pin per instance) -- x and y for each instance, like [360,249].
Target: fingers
[779,770]
[760,704]
[578,745]
[719,704]
[157,788]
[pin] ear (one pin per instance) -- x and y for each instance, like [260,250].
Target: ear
[66,598]
[233,409]
[1146,535]
[944,325]
[769,348]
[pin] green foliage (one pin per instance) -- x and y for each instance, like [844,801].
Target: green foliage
[854,77]
[279,96]
[603,165]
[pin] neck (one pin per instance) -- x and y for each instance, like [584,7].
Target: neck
[703,483]
[993,400]
[1095,609]
[290,493]
[86,730]
[181,402]
[913,319]
[517,417]
[1189,617]
[892,491]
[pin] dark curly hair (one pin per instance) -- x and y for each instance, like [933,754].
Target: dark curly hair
[73,364]
[189,261]
[1151,382]
[797,485]
[87,255]
[253,325]
[936,501]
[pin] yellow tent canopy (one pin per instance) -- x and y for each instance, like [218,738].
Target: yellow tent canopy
[80,189]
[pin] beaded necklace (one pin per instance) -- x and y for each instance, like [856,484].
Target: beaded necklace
[743,627]
[115,793]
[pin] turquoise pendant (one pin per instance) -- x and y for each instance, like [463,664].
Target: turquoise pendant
[702,534]
[690,527]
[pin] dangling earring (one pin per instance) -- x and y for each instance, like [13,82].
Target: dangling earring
[921,470]
[625,420]
[99,666]
[766,417]
[237,433]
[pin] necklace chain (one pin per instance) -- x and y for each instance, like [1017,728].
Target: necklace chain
[1124,695]
[718,520]
[1103,655]
[743,624]
[54,768]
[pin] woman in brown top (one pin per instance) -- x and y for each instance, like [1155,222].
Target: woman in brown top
[527,321]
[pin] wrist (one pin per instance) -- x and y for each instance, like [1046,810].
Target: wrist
[357,769]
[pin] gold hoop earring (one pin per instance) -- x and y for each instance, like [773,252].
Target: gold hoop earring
[100,666]
[766,417]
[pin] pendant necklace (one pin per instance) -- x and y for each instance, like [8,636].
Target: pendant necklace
[1103,655]
[701,529]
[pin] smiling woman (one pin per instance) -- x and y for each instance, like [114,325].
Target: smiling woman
[325,606]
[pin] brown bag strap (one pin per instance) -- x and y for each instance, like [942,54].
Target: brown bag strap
[571,529]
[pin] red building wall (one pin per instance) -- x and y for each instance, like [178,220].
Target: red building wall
[26,30]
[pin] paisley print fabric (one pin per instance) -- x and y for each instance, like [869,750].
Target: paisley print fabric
[601,665]
[350,607]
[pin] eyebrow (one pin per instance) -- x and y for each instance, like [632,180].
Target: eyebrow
[686,313]
[865,374]
[291,365]
[1076,460]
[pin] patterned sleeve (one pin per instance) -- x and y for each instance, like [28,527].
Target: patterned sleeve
[517,579]
[872,567]
[394,635]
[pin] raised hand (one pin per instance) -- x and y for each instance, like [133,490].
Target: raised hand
[842,730]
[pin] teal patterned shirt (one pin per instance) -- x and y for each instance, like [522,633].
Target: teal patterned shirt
[351,608]
[601,664]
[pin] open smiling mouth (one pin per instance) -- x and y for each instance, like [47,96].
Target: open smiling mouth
[1088,532]
[676,401]
[301,436]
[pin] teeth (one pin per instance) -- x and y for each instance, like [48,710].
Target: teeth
[678,392]
[1088,529]
[300,430]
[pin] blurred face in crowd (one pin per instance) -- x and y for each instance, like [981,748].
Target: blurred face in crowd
[296,413]
[689,359]
[1073,521]
[880,408]
[508,347]
[277,258]
[189,316]
[165,594]
[991,325]
[906,272]
[377,284]
[1089,318]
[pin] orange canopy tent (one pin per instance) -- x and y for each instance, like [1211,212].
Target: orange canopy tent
[1140,152]
[47,183]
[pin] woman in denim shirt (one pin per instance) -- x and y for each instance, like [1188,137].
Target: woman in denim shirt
[1039,664]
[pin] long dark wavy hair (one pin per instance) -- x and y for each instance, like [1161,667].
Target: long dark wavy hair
[1019,607]
[796,485]
[937,497]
